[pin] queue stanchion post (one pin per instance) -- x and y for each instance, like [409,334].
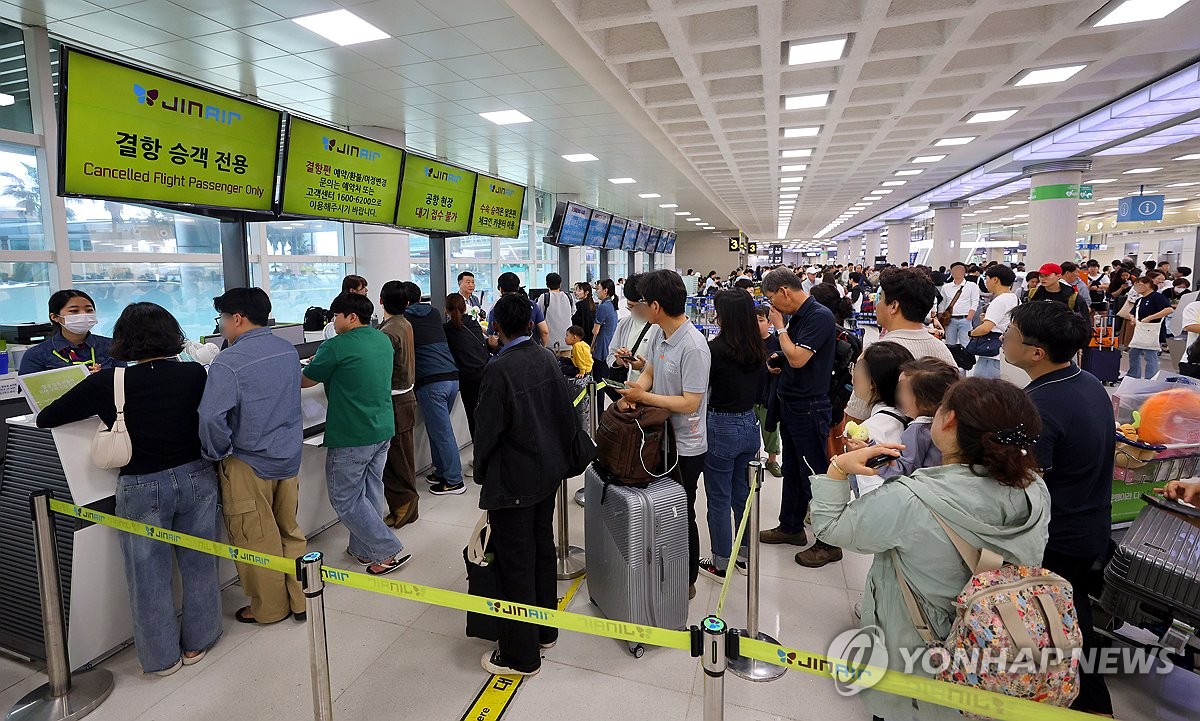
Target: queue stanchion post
[64,696]
[714,661]
[742,667]
[593,423]
[570,558]
[308,570]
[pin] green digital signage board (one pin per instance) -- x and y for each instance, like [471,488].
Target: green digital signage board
[497,207]
[129,134]
[435,196]
[333,174]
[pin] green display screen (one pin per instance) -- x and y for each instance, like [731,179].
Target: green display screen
[435,196]
[332,174]
[134,135]
[497,209]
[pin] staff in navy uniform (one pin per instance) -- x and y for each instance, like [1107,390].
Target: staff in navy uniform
[74,315]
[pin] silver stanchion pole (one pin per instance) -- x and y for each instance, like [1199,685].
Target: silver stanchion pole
[308,569]
[63,696]
[749,668]
[570,558]
[714,663]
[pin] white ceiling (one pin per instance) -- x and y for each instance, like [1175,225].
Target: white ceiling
[711,74]
[448,61]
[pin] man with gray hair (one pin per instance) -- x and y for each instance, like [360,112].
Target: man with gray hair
[807,343]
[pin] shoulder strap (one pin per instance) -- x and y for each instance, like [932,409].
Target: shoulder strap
[904,420]
[641,337]
[910,603]
[1071,300]
[956,297]
[480,537]
[119,390]
[546,302]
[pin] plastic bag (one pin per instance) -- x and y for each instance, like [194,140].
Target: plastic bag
[1133,392]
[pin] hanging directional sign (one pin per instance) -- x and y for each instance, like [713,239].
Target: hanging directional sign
[1140,207]
[1085,192]
[752,248]
[735,245]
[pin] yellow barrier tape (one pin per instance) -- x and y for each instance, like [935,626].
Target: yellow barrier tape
[737,546]
[600,385]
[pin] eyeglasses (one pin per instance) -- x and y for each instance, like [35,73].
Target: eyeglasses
[1008,336]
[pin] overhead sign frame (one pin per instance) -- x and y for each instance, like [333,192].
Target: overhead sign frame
[409,158]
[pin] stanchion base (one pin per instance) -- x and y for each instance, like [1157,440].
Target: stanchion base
[572,566]
[752,669]
[88,690]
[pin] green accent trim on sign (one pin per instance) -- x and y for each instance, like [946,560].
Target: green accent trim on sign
[1054,192]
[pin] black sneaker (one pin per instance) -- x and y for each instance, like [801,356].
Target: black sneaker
[708,568]
[445,488]
[385,567]
[433,479]
[742,567]
[493,664]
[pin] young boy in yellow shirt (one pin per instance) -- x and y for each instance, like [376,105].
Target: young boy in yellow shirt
[581,352]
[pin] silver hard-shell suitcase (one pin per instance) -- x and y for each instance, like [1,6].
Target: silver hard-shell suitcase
[637,551]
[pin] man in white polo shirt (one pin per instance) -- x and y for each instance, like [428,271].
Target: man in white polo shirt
[960,297]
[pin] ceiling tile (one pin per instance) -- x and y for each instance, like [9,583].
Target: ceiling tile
[116,26]
[298,8]
[399,17]
[240,45]
[463,12]
[526,60]
[476,67]
[554,78]
[428,73]
[194,54]
[442,44]
[293,67]
[505,34]
[382,79]
[60,9]
[287,35]
[167,16]
[340,60]
[391,52]
[231,13]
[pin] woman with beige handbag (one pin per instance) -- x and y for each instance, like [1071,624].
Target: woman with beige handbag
[1145,310]
[151,432]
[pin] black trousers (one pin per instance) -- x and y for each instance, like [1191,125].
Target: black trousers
[1093,691]
[469,388]
[687,474]
[526,572]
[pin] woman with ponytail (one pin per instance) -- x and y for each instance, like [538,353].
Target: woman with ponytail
[987,489]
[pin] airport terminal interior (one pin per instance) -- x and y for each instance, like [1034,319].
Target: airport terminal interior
[168,150]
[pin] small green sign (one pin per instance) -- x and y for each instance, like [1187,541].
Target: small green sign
[333,174]
[435,196]
[1085,192]
[135,135]
[1055,192]
[497,208]
[45,387]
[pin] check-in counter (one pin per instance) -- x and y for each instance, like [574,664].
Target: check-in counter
[95,595]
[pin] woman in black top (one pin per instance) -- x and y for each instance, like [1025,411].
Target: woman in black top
[468,345]
[585,311]
[738,357]
[166,483]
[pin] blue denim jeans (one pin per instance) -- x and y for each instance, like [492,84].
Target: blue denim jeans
[355,478]
[436,401]
[1143,363]
[182,499]
[805,431]
[986,367]
[733,440]
[959,332]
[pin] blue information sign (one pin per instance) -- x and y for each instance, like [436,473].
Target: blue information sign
[1140,207]
[597,229]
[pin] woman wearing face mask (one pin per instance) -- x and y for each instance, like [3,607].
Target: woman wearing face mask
[74,315]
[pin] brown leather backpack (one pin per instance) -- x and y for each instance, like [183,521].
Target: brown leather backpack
[634,445]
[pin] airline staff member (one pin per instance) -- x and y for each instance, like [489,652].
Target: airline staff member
[74,315]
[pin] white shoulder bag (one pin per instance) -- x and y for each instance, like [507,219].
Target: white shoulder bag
[112,447]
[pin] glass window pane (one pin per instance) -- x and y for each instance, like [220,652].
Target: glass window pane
[24,292]
[15,112]
[185,289]
[418,267]
[485,280]
[107,226]
[305,237]
[469,247]
[543,206]
[522,270]
[295,286]
[516,249]
[20,198]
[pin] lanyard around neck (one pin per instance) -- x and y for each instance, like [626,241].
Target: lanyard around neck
[71,353]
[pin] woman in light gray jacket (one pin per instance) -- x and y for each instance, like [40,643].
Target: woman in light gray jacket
[986,489]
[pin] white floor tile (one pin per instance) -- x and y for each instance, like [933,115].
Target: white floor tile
[13,672]
[567,692]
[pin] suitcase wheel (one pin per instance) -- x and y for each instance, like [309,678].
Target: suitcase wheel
[637,650]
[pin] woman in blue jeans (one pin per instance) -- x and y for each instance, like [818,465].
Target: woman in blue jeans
[738,356]
[166,483]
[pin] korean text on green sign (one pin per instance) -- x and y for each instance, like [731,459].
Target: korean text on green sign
[135,135]
[1054,192]
[435,196]
[332,174]
[497,208]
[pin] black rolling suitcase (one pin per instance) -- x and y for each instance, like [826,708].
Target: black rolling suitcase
[1102,358]
[1153,578]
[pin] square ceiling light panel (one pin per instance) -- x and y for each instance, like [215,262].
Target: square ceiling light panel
[621,181]
[342,27]
[804,102]
[506,117]
[807,132]
[914,171]
[793,168]
[992,116]
[955,141]
[580,157]
[1136,11]
[928,158]
[1043,76]
[798,153]
[819,51]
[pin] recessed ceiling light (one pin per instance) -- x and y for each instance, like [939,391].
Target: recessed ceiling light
[792,179]
[507,117]
[1043,76]
[1135,11]
[998,207]
[6,99]
[992,116]
[621,181]
[928,158]
[915,171]
[788,188]
[341,26]
[580,157]
[800,102]
[955,141]
[889,183]
[692,220]
[793,168]
[1184,185]
[880,192]
[784,196]
[669,205]
[1100,181]
[1189,156]
[806,132]
[1135,171]
[870,198]
[649,195]
[683,212]
[821,51]
[710,227]
[798,153]
[1176,200]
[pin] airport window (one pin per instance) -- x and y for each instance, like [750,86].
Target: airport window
[185,289]
[418,253]
[297,285]
[105,226]
[485,280]
[20,199]
[24,291]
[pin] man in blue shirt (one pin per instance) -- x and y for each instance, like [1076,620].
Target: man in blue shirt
[509,283]
[250,422]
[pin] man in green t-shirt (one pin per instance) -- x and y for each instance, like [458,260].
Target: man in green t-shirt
[356,368]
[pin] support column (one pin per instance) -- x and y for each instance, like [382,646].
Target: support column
[235,262]
[1053,210]
[899,242]
[947,234]
[844,255]
[874,242]
[437,268]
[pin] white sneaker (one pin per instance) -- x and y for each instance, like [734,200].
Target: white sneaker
[168,671]
[469,471]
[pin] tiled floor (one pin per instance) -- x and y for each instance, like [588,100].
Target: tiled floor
[397,659]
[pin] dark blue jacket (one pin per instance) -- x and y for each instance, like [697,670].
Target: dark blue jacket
[434,360]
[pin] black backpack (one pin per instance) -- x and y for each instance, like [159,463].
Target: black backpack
[847,348]
[314,319]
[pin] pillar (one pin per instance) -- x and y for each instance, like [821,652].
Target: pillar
[947,234]
[899,242]
[1053,210]
[844,255]
[874,241]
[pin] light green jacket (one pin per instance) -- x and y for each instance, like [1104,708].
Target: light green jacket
[1010,521]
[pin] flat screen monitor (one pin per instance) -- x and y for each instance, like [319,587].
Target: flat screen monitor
[631,234]
[668,243]
[569,225]
[643,238]
[652,244]
[616,233]
[597,229]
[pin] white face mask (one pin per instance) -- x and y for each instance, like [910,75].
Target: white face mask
[80,323]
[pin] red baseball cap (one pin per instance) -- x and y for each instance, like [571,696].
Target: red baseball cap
[1048,268]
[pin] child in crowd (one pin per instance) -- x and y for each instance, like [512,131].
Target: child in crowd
[922,385]
[581,352]
[766,389]
[876,375]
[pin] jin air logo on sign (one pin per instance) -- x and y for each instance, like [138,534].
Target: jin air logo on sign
[134,135]
[337,175]
[497,208]
[435,196]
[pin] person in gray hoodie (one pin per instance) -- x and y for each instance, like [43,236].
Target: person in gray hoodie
[986,489]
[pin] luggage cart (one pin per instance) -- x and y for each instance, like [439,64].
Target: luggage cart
[1142,467]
